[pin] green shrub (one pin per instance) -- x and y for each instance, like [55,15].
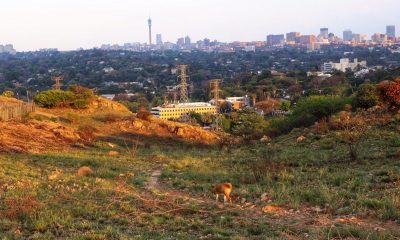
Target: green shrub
[54,98]
[366,96]
[285,105]
[80,103]
[248,124]
[308,111]
[8,94]
[76,97]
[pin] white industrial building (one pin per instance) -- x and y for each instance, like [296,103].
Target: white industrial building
[343,65]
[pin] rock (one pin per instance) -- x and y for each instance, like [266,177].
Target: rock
[84,171]
[113,153]
[243,200]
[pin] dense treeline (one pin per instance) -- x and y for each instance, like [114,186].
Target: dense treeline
[99,69]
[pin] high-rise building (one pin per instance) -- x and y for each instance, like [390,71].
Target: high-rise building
[324,32]
[347,35]
[391,31]
[275,39]
[308,41]
[159,39]
[292,37]
[359,38]
[149,23]
[207,42]
[379,38]
[180,41]
[188,41]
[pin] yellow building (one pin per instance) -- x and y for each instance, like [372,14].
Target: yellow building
[175,111]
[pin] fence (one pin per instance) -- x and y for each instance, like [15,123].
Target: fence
[15,111]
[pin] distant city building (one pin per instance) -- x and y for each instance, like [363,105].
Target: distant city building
[207,42]
[359,38]
[188,41]
[273,40]
[308,41]
[8,48]
[159,39]
[391,31]
[348,35]
[180,42]
[324,32]
[250,48]
[292,37]
[379,38]
[343,65]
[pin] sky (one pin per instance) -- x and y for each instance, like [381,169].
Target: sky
[71,24]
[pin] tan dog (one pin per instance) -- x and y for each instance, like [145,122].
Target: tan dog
[223,189]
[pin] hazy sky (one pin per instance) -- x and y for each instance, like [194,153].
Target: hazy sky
[69,24]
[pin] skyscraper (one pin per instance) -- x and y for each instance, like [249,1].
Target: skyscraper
[149,22]
[347,35]
[273,40]
[292,37]
[391,31]
[324,32]
[188,41]
[159,39]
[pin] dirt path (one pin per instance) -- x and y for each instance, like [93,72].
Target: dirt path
[303,218]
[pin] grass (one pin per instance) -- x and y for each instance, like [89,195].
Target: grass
[113,204]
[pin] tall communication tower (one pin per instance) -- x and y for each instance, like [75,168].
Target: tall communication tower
[150,36]
[183,78]
[215,89]
[58,80]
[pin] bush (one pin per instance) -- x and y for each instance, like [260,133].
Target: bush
[308,111]
[366,96]
[285,105]
[248,124]
[80,104]
[389,92]
[8,94]
[76,97]
[54,98]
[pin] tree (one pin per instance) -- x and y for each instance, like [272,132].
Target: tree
[8,94]
[389,92]
[248,124]
[268,106]
[366,96]
[351,130]
[285,105]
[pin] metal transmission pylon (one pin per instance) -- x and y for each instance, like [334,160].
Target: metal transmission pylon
[58,80]
[183,78]
[215,89]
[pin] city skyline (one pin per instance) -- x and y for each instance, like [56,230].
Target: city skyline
[70,25]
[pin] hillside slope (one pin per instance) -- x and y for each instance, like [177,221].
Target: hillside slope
[61,128]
